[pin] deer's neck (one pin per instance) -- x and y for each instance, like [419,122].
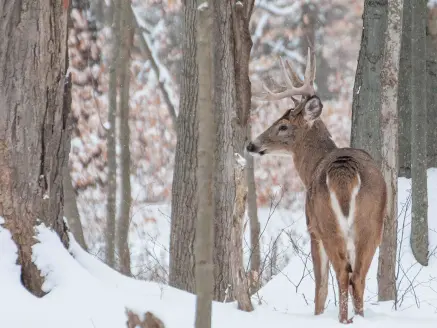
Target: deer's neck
[316,144]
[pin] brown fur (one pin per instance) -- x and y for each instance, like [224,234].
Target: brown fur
[318,160]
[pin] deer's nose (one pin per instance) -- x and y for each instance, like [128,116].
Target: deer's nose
[251,147]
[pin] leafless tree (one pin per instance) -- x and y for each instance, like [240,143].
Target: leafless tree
[33,151]
[365,132]
[205,215]
[126,32]
[184,187]
[419,210]
[389,148]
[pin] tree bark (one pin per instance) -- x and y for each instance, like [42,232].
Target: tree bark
[205,216]
[419,210]
[232,96]
[111,135]
[431,85]
[252,211]
[127,32]
[404,95]
[34,138]
[225,104]
[70,207]
[184,188]
[389,149]
[366,103]
[240,283]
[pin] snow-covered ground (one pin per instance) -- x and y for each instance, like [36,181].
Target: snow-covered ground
[83,292]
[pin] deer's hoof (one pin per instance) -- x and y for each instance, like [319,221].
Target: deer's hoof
[347,321]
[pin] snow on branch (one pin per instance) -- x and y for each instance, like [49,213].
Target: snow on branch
[160,70]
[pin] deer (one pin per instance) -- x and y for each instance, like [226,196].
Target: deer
[346,194]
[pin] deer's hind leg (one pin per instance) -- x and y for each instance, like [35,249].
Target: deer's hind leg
[338,256]
[321,270]
[366,250]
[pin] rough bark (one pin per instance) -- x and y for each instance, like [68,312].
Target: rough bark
[419,210]
[431,85]
[34,138]
[127,30]
[366,103]
[205,215]
[184,188]
[225,107]
[240,283]
[404,95]
[70,207]
[389,148]
[252,212]
[110,139]
[232,44]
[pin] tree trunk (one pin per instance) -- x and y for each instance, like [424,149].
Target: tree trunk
[184,188]
[389,149]
[431,81]
[34,138]
[225,104]
[205,216]
[110,134]
[252,211]
[232,45]
[240,283]
[365,132]
[419,209]
[404,95]
[127,32]
[70,207]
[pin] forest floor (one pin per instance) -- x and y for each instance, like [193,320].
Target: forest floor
[83,292]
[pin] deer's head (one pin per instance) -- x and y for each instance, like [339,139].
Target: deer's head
[289,131]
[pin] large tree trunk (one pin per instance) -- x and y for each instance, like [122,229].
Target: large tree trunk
[127,31]
[225,117]
[232,45]
[184,188]
[365,132]
[70,207]
[431,81]
[404,95]
[389,149]
[205,215]
[34,139]
[419,209]
[110,139]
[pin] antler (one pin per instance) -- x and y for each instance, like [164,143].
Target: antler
[295,86]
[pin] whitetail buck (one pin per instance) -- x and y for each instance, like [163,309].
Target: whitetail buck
[345,191]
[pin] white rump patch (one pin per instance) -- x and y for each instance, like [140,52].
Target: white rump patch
[346,223]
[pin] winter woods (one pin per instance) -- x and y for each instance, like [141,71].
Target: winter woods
[124,126]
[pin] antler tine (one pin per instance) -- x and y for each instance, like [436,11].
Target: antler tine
[304,88]
[288,79]
[293,75]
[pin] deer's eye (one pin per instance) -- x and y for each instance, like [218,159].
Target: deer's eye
[283,127]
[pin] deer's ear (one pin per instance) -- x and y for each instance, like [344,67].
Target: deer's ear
[313,108]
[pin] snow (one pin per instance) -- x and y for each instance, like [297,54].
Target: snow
[83,292]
